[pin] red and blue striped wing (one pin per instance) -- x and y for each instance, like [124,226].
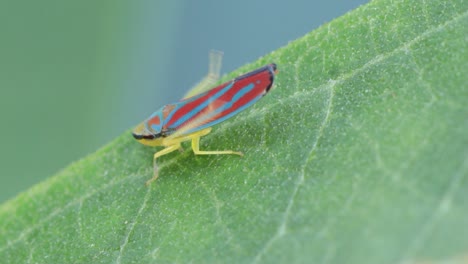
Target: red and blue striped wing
[220,103]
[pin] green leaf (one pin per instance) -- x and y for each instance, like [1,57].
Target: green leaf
[359,155]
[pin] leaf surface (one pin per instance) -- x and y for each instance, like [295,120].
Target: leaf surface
[358,155]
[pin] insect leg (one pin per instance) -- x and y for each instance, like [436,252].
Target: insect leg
[158,154]
[197,151]
[214,71]
[214,68]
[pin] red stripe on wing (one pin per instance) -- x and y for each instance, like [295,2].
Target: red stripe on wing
[262,79]
[192,102]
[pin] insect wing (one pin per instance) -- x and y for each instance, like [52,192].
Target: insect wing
[220,103]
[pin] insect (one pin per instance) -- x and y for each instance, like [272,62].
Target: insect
[201,108]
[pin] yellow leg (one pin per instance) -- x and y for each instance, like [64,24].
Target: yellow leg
[173,143]
[158,154]
[197,151]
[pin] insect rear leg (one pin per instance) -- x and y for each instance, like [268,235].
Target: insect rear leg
[197,151]
[158,154]
[214,71]
[214,67]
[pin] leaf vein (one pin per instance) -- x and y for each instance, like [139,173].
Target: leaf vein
[281,231]
[132,225]
[443,207]
[219,220]
[58,211]
[282,228]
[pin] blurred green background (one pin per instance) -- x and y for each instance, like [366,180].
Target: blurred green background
[75,74]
